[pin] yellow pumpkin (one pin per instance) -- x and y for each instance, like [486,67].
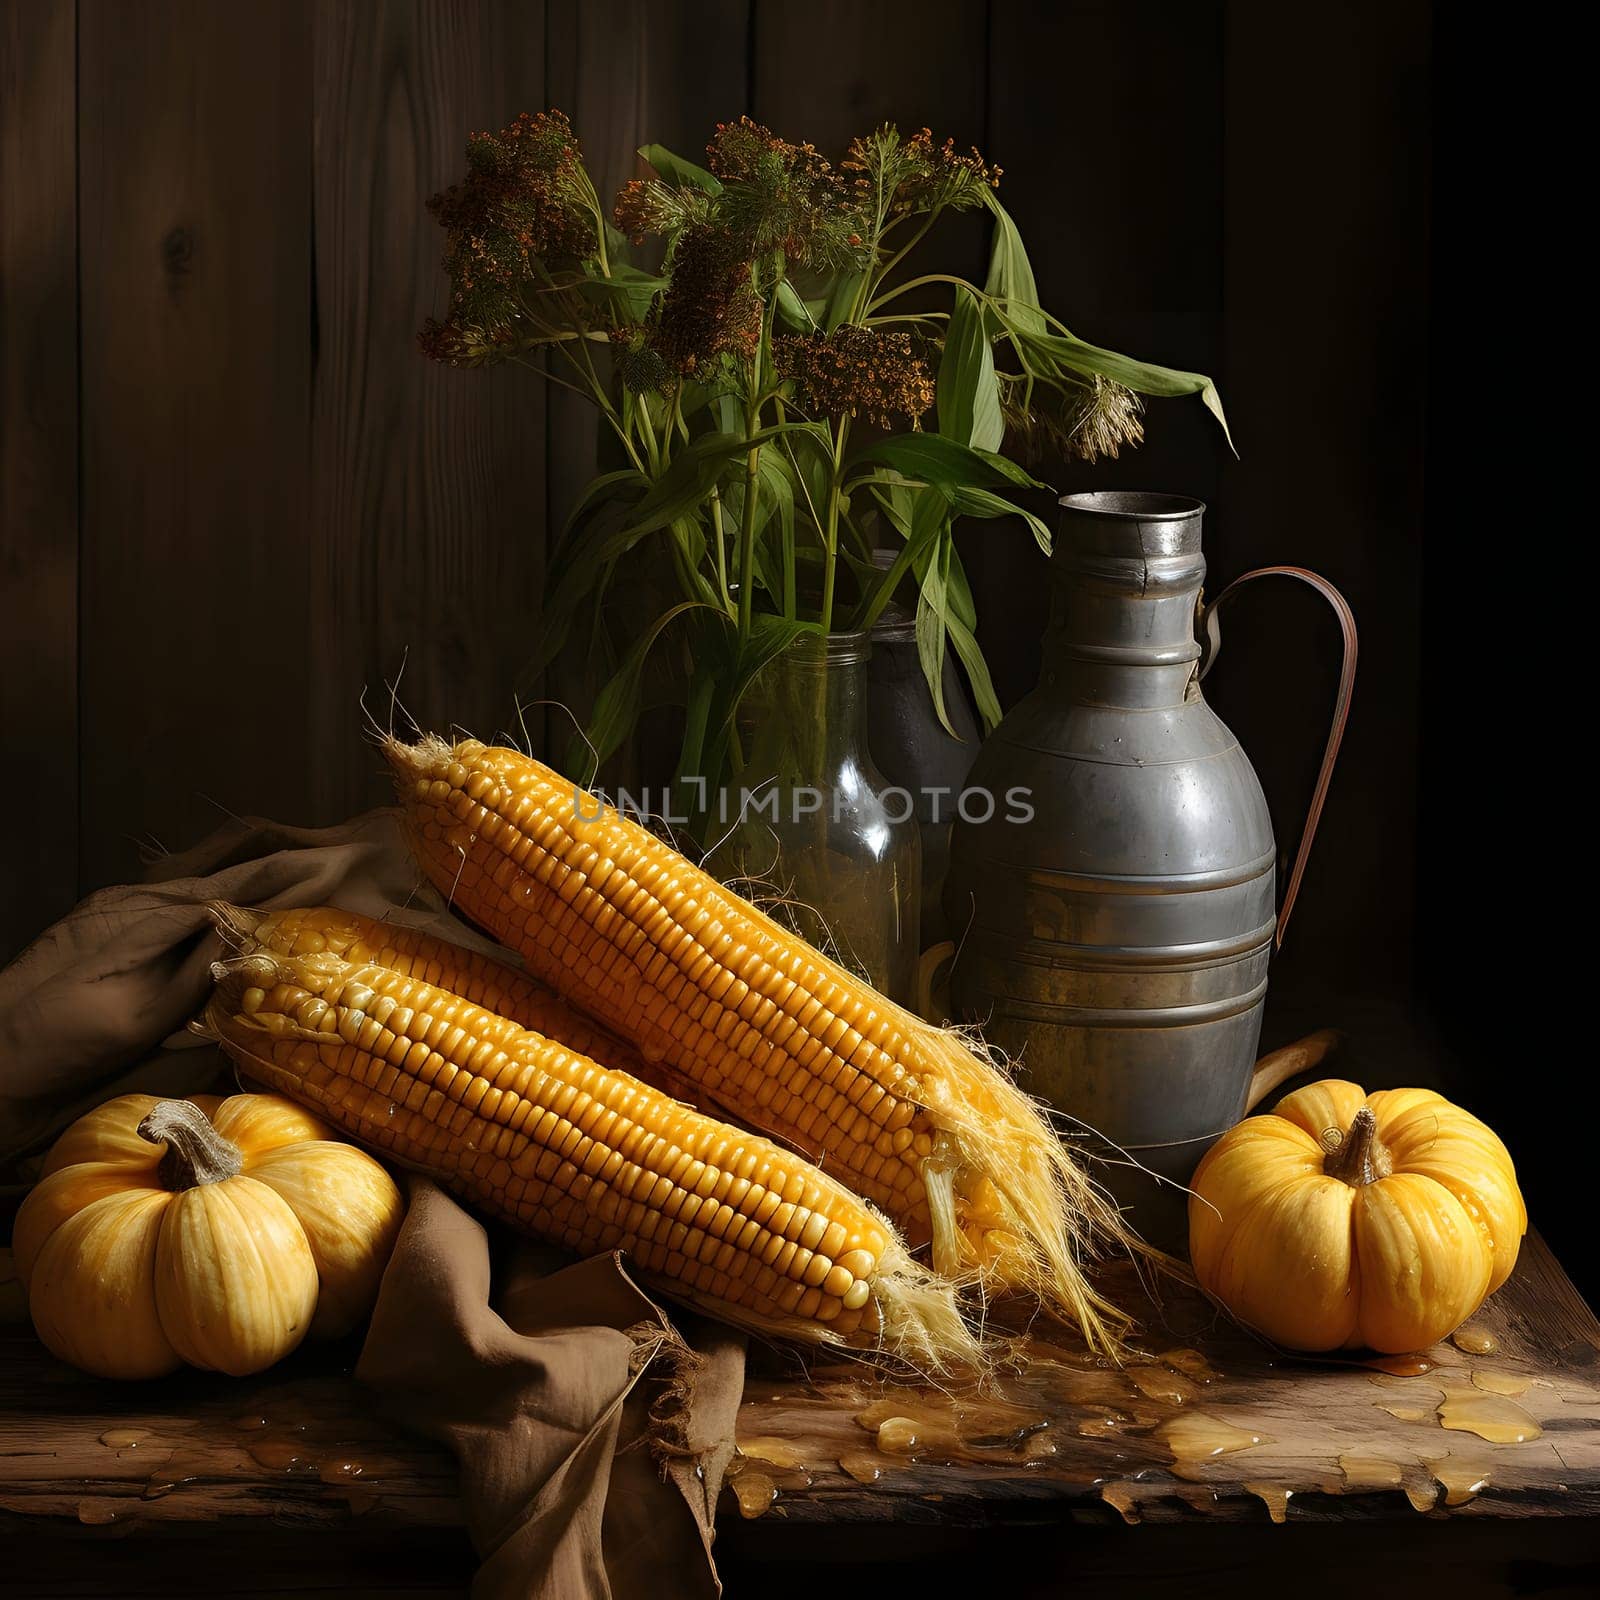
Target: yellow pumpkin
[1349,1220]
[208,1231]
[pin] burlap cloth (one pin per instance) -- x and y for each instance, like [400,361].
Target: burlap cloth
[592,1431]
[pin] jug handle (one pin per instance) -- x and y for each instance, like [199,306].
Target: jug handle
[1211,628]
[1275,1069]
[933,981]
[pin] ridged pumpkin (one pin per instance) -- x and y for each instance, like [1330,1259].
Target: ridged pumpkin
[1349,1220]
[208,1231]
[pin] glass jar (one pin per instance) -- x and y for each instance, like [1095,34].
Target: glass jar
[815,834]
[916,752]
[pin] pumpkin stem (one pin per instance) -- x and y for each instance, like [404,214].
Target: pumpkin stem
[196,1152]
[1359,1158]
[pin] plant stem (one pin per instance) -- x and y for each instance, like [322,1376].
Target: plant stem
[917,283]
[595,392]
[872,609]
[752,470]
[641,408]
[830,535]
[1360,1158]
[721,547]
[904,250]
[196,1153]
[747,533]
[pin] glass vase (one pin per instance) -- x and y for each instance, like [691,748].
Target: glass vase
[815,834]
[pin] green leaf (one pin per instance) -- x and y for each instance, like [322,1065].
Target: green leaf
[809,458]
[897,503]
[932,625]
[769,638]
[1144,377]
[968,395]
[692,397]
[1011,281]
[963,607]
[616,707]
[690,534]
[981,503]
[730,415]
[608,486]
[1010,272]
[588,567]
[794,311]
[691,753]
[618,249]
[1212,401]
[778,487]
[629,289]
[930,458]
[582,558]
[676,170]
[966,643]
[688,481]
[842,299]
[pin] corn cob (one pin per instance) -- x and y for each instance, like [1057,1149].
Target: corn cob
[484,980]
[578,1154]
[768,1031]
[495,985]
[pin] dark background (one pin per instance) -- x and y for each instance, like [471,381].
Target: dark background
[233,496]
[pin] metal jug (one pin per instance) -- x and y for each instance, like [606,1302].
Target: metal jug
[1115,941]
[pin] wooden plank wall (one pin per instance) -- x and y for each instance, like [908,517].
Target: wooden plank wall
[235,498]
[38,468]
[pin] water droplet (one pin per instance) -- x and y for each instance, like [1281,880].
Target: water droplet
[1193,1436]
[124,1439]
[1506,1383]
[1191,1364]
[1459,1482]
[1159,1383]
[1422,1493]
[1370,1472]
[1118,1497]
[775,1452]
[897,1436]
[1475,1340]
[755,1493]
[1412,1366]
[1490,1416]
[1276,1500]
[864,1468]
[1409,1413]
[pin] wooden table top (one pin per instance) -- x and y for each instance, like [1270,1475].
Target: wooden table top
[1210,1426]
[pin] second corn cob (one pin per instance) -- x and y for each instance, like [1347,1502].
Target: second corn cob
[580,1154]
[493,984]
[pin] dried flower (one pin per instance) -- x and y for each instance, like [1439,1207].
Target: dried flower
[1089,421]
[460,344]
[524,201]
[915,174]
[874,372]
[782,196]
[710,307]
[649,206]
[1107,418]
[641,369]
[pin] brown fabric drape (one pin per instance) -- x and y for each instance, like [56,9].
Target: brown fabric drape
[592,1430]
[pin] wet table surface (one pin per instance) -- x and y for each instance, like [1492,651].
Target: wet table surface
[1206,1425]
